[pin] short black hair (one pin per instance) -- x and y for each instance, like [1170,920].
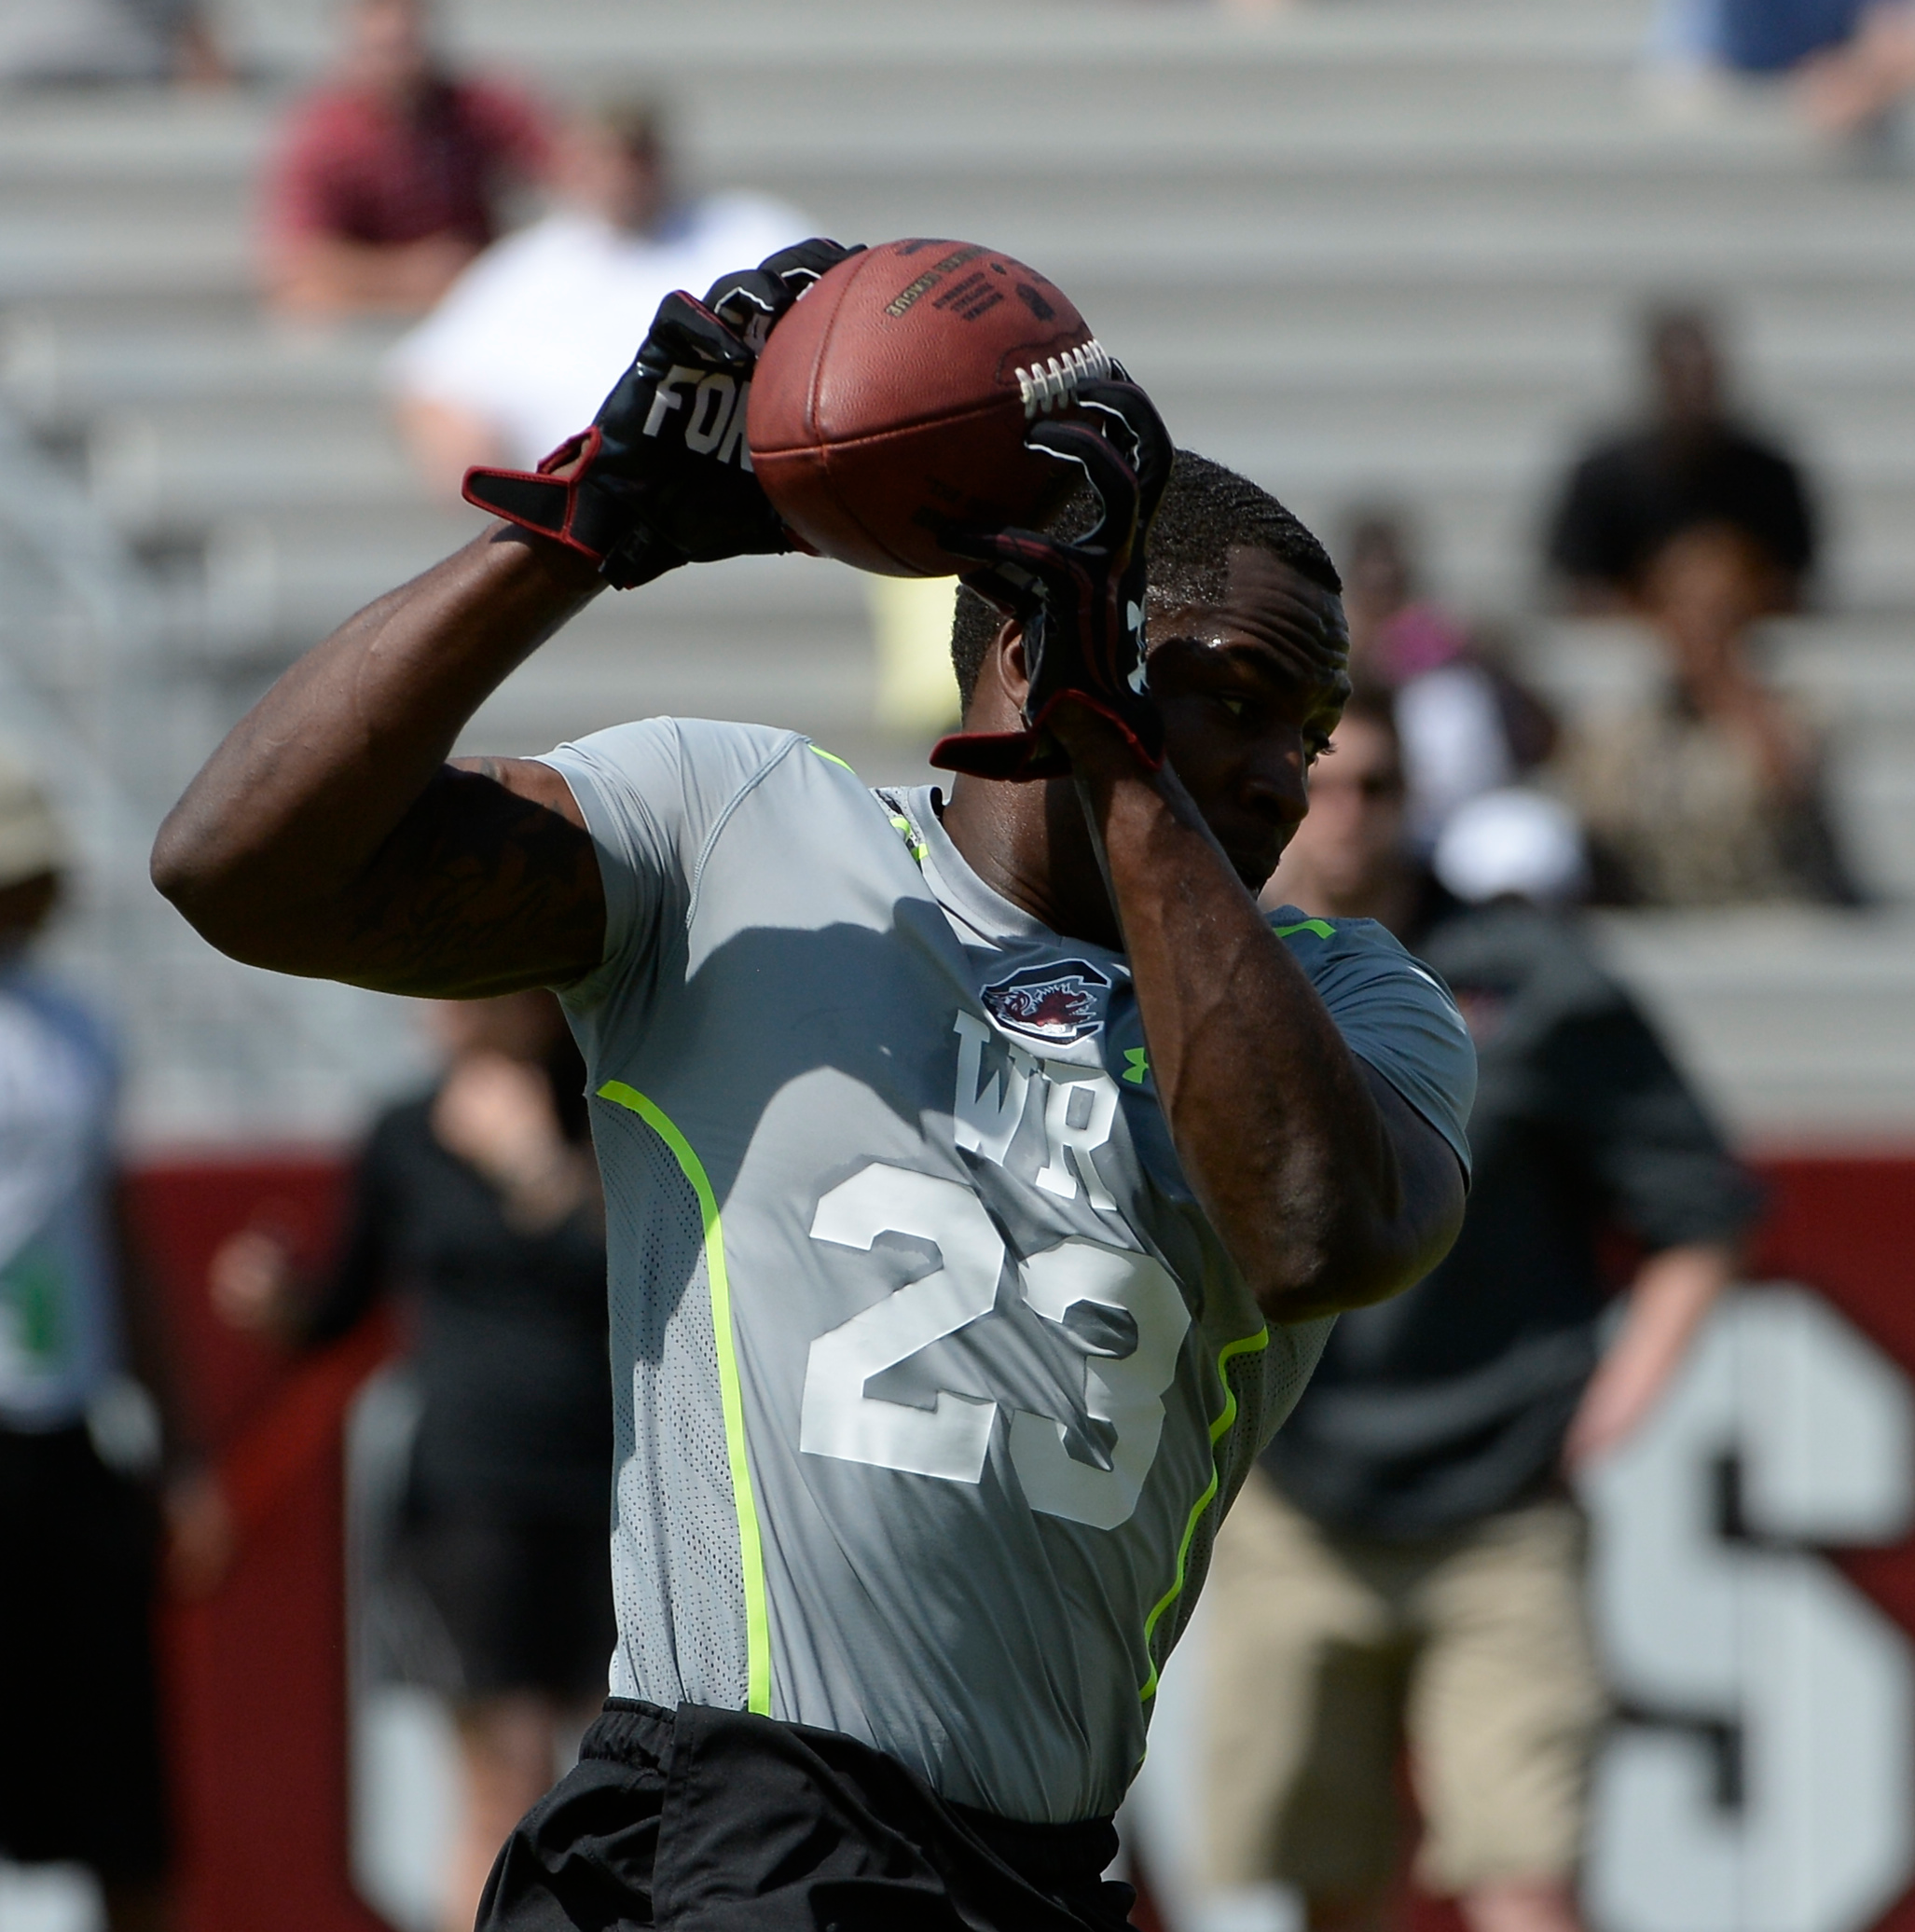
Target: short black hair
[1207,512]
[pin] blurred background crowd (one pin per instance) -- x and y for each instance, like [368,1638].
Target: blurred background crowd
[1586,339]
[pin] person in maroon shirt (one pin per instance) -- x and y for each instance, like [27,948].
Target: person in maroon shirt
[388,179]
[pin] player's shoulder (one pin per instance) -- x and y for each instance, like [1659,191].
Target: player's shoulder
[1326,947]
[697,766]
[686,742]
[1353,958]
[1393,1012]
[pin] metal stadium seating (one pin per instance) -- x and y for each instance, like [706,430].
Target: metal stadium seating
[1361,248]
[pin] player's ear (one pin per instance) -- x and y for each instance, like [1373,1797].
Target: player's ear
[1003,679]
[1008,660]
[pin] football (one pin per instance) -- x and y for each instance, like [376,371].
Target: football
[895,396]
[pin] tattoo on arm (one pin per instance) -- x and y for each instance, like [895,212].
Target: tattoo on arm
[477,891]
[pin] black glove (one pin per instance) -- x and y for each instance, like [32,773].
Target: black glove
[664,474]
[1082,602]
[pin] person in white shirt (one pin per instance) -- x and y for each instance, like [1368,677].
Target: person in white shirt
[526,343]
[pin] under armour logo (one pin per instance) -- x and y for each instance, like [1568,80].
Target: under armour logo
[1133,622]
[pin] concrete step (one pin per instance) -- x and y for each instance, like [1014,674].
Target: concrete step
[1799,1026]
[1055,36]
[1303,351]
[123,259]
[278,582]
[1247,203]
[796,678]
[1309,434]
[1861,670]
[1871,795]
[165,473]
[60,375]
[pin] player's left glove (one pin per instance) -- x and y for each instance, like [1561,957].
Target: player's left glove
[662,477]
[1080,601]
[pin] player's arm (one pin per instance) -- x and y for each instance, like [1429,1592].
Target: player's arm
[1330,1190]
[329,836]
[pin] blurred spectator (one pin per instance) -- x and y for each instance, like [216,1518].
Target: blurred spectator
[1354,846]
[80,1443]
[1467,725]
[1513,842]
[55,43]
[1407,1564]
[1748,37]
[390,179]
[1767,37]
[1692,463]
[1855,89]
[523,349]
[1711,794]
[480,1204]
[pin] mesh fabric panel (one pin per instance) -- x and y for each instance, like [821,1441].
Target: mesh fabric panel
[678,1582]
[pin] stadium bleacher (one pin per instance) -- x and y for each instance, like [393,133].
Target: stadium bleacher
[1359,248]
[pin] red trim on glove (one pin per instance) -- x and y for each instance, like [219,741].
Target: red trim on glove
[1018,757]
[544,501]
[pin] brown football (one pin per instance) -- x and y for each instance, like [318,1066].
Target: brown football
[895,397]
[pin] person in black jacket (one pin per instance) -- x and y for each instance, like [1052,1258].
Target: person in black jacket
[1406,1564]
[479,1205]
[1691,466]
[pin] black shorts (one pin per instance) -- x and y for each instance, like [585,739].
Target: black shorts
[526,1601]
[740,1824]
[80,1774]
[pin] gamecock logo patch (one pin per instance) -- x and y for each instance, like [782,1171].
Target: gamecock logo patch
[1057,1003]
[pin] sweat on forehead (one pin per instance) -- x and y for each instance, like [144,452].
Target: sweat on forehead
[1267,605]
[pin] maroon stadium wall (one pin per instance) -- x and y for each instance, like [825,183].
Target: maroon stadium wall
[256,1672]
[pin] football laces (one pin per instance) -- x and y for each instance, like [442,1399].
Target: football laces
[1050,385]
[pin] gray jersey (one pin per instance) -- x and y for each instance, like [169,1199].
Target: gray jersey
[932,1380]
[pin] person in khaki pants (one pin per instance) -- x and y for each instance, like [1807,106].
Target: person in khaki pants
[1405,1567]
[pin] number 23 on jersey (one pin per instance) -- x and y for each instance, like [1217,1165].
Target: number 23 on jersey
[951,1440]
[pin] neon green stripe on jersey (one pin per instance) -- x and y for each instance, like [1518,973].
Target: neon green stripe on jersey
[1249,1345]
[1322,928]
[908,833]
[832,757]
[751,1543]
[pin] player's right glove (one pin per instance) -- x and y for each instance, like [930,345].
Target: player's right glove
[663,477]
[1080,601]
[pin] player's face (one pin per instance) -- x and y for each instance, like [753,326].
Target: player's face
[1250,691]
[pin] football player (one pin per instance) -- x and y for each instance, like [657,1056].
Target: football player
[983,1171]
